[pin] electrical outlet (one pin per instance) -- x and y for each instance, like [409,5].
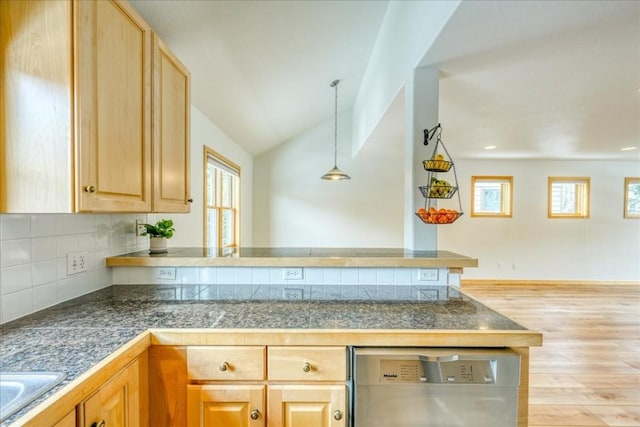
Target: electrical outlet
[77,262]
[428,295]
[166,273]
[428,274]
[514,266]
[293,273]
[293,294]
[139,227]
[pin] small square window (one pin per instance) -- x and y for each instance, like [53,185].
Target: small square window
[491,196]
[568,197]
[632,197]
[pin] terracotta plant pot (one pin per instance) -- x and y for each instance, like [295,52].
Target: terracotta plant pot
[158,245]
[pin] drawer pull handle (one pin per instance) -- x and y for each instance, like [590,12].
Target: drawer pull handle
[100,423]
[255,414]
[337,415]
[223,366]
[306,367]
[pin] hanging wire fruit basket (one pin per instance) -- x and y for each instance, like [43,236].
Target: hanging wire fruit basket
[438,216]
[437,165]
[438,187]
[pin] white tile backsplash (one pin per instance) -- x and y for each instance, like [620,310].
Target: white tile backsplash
[33,266]
[44,271]
[16,278]
[43,225]
[349,276]
[17,304]
[16,227]
[33,257]
[325,276]
[15,252]
[367,276]
[43,248]
[45,295]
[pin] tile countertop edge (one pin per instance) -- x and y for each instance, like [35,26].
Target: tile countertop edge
[350,337]
[168,260]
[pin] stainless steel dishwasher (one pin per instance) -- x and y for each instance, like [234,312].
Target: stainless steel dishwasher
[443,387]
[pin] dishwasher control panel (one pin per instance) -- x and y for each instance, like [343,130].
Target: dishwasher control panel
[436,366]
[424,371]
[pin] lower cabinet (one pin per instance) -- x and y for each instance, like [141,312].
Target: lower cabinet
[307,405]
[226,405]
[255,386]
[68,421]
[116,403]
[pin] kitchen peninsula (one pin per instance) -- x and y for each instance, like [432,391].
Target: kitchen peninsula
[184,342]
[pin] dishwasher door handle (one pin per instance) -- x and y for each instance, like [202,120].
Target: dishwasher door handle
[450,358]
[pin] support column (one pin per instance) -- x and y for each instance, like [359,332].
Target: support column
[421,112]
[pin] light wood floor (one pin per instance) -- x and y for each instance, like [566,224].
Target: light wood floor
[587,373]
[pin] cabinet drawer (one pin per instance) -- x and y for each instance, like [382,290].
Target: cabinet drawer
[226,363]
[307,363]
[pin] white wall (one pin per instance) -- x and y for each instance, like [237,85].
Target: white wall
[294,207]
[408,30]
[33,257]
[602,248]
[190,227]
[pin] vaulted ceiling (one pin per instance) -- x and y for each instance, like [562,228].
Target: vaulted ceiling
[537,79]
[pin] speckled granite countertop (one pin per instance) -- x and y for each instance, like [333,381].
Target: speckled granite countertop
[74,336]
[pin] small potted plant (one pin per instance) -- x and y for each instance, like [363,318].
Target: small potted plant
[158,235]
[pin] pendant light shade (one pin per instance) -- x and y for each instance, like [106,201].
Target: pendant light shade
[335,174]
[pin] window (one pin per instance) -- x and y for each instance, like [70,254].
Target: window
[492,196]
[568,197]
[222,201]
[632,197]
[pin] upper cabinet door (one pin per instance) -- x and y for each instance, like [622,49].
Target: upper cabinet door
[36,115]
[113,108]
[171,103]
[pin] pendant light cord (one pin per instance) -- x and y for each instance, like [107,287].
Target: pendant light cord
[335,125]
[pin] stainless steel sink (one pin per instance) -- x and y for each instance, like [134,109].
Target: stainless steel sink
[17,389]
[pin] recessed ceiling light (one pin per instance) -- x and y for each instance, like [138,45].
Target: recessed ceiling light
[628,148]
[490,147]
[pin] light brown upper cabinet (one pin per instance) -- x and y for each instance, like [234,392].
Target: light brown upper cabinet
[113,94]
[36,107]
[77,119]
[171,121]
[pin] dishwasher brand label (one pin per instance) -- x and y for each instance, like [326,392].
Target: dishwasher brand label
[401,371]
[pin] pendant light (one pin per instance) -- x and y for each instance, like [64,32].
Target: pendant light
[335,174]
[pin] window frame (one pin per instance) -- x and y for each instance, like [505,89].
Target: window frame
[506,210]
[218,204]
[583,207]
[628,181]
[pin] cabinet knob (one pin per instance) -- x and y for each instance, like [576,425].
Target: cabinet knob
[100,423]
[223,366]
[306,367]
[90,189]
[337,415]
[255,414]
[190,200]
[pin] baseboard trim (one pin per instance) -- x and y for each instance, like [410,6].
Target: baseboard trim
[547,282]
